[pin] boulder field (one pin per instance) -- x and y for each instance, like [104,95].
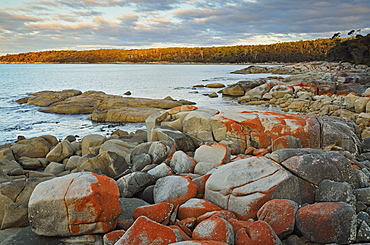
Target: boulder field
[314,88]
[288,181]
[198,175]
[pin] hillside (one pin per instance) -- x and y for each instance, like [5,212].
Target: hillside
[286,52]
[354,50]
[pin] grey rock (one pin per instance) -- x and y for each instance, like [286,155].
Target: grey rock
[363,195]
[148,194]
[165,133]
[363,233]
[20,190]
[133,183]
[281,155]
[315,168]
[159,152]
[140,161]
[30,163]
[108,163]
[8,166]
[363,179]
[15,215]
[182,163]
[328,222]
[72,162]
[340,132]
[366,145]
[91,141]
[331,191]
[55,168]
[241,186]
[140,149]
[160,171]
[128,206]
[27,237]
[61,151]
[33,147]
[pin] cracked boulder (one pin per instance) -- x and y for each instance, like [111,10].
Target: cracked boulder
[75,204]
[245,185]
[315,168]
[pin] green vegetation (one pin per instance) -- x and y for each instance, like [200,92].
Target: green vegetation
[356,51]
[286,52]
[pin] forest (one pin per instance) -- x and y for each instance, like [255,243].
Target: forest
[282,52]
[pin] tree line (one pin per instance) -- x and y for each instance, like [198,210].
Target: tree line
[284,52]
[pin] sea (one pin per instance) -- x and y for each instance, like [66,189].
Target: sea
[143,80]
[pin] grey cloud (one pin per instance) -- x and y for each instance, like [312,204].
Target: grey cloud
[88,13]
[13,22]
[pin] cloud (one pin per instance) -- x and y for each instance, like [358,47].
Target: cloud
[77,24]
[14,22]
[159,20]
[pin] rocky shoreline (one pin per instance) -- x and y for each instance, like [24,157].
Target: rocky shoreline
[198,175]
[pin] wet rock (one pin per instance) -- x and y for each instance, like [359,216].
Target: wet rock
[328,222]
[235,90]
[82,203]
[216,229]
[145,231]
[174,189]
[213,95]
[215,85]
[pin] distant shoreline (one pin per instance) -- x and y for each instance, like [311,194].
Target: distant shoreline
[141,63]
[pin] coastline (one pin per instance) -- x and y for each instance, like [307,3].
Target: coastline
[177,173]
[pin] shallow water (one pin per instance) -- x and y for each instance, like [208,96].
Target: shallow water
[143,80]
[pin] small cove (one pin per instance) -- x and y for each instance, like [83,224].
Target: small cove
[143,80]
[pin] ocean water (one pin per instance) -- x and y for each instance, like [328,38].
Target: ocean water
[143,80]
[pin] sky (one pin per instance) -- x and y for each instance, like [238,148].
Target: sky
[39,25]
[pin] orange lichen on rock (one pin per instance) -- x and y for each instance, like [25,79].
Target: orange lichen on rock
[159,212]
[196,207]
[257,233]
[146,231]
